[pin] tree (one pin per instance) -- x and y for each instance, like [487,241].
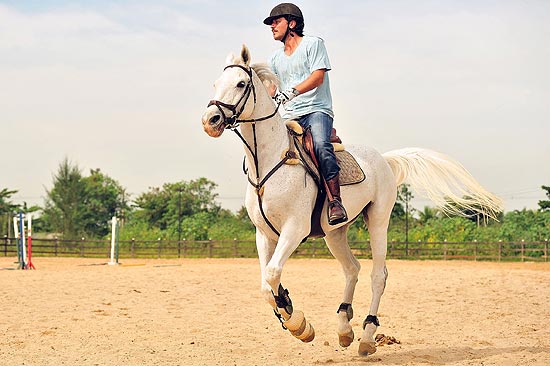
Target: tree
[169,206]
[7,208]
[103,198]
[398,211]
[63,206]
[227,226]
[78,205]
[428,213]
[456,229]
[403,199]
[404,196]
[528,225]
[545,204]
[242,216]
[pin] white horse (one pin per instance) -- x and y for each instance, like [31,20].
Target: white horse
[280,202]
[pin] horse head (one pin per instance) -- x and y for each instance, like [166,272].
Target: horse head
[234,97]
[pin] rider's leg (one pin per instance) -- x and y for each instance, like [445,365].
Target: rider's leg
[321,128]
[336,211]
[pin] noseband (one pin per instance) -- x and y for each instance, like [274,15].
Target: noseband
[233,121]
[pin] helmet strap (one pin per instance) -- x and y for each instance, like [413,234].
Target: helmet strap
[289,32]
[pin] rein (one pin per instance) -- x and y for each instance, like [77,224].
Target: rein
[233,122]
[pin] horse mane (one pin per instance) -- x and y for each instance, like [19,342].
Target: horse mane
[265,74]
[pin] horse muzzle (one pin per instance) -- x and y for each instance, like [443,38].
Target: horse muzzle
[213,122]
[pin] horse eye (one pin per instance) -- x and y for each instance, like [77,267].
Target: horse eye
[241,84]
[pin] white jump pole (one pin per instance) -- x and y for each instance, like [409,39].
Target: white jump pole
[15,227]
[18,242]
[113,241]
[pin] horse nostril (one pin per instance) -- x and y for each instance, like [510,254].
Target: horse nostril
[214,120]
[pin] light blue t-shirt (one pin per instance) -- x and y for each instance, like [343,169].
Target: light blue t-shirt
[310,55]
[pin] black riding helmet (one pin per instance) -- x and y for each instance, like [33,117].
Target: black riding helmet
[283,9]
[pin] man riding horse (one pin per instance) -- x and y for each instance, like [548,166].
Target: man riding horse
[302,66]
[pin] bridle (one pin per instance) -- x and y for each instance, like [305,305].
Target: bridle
[233,122]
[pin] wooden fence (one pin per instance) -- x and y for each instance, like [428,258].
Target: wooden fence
[482,251]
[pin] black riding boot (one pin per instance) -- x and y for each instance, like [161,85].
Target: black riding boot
[336,211]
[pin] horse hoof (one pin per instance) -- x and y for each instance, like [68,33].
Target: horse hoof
[367,348]
[346,340]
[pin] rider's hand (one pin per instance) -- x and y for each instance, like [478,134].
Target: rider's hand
[283,97]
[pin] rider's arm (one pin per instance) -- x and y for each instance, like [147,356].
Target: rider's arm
[313,81]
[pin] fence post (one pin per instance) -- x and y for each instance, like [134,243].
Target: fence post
[5,245]
[133,248]
[475,250]
[235,248]
[56,245]
[522,250]
[546,250]
[82,247]
[184,247]
[179,248]
[158,240]
[500,250]
[209,248]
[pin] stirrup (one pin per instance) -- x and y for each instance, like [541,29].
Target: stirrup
[335,220]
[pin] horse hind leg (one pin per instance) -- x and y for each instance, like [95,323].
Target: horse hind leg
[378,233]
[338,245]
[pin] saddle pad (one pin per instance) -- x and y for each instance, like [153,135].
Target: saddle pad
[350,171]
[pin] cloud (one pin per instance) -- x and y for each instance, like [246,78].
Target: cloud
[122,85]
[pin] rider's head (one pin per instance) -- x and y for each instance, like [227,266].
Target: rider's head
[293,17]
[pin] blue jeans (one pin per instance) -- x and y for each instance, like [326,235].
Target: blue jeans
[321,127]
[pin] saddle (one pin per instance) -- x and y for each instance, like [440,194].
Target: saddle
[350,171]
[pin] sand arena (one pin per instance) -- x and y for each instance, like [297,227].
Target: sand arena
[210,312]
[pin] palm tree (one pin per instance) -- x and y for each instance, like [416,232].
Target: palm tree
[6,209]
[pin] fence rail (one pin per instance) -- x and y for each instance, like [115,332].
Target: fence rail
[482,251]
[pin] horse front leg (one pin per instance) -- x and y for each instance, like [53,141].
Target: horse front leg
[379,275]
[337,243]
[265,247]
[290,318]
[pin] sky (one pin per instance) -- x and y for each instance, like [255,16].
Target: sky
[121,86]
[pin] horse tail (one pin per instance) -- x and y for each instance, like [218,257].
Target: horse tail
[443,180]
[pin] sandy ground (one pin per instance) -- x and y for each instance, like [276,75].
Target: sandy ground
[210,312]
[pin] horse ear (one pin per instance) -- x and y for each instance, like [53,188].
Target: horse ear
[230,59]
[245,55]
